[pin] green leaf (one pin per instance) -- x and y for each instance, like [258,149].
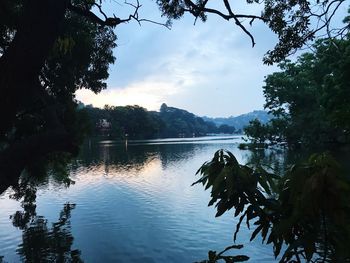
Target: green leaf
[256,231]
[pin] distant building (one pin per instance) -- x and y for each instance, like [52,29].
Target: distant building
[103,125]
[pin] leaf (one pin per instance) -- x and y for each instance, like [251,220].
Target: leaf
[201,180]
[310,249]
[218,182]
[256,231]
[212,201]
[263,182]
[239,207]
[230,184]
[229,248]
[277,247]
[290,251]
[222,207]
[271,238]
[239,225]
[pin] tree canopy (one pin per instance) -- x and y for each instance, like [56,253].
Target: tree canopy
[310,98]
[303,213]
[38,108]
[138,123]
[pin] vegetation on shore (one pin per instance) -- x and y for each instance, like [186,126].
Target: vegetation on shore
[303,211]
[136,122]
[309,99]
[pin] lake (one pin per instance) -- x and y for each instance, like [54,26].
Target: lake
[130,203]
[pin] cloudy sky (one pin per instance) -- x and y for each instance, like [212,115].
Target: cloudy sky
[209,68]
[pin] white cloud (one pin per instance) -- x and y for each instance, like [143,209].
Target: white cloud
[149,94]
[209,69]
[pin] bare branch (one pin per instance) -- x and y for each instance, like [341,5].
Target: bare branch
[154,22]
[108,21]
[135,16]
[326,22]
[112,21]
[101,11]
[238,23]
[195,10]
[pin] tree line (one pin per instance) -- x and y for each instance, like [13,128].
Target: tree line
[136,122]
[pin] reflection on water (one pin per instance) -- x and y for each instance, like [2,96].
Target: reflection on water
[135,155]
[134,203]
[41,243]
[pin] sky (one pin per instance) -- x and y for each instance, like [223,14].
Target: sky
[209,69]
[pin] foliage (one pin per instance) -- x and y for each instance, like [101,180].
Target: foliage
[9,14]
[256,132]
[180,122]
[306,211]
[309,98]
[240,121]
[139,123]
[46,116]
[134,121]
[79,58]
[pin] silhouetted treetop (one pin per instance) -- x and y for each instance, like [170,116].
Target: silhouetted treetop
[163,107]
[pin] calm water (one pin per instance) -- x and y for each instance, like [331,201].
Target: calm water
[129,203]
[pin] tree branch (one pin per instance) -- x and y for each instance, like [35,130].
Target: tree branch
[195,10]
[238,23]
[111,21]
[108,21]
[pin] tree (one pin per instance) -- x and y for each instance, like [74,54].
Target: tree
[310,97]
[46,119]
[256,131]
[304,213]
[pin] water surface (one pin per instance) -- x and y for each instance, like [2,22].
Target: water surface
[130,203]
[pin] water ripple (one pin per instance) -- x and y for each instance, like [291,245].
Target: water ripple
[138,206]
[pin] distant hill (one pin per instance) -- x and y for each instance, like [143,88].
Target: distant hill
[138,123]
[179,122]
[239,122]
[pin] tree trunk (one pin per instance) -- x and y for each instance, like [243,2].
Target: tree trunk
[21,63]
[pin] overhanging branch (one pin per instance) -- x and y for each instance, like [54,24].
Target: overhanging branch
[196,10]
[111,21]
[108,21]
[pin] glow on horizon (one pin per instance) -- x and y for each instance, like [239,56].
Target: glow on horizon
[209,69]
[147,94]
